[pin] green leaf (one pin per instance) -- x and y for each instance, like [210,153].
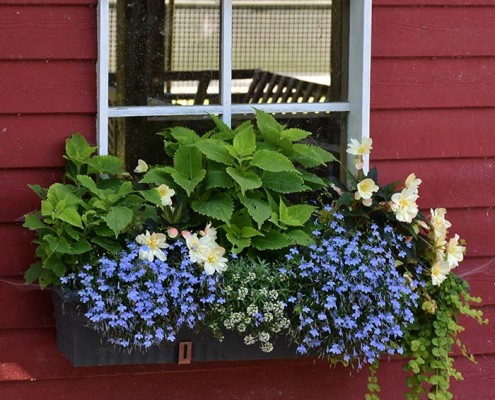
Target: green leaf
[245,142]
[158,176]
[152,195]
[224,131]
[273,240]
[218,178]
[33,272]
[46,208]
[248,181]
[296,215]
[184,135]
[294,134]
[188,161]
[40,191]
[56,265]
[311,156]
[77,148]
[59,192]
[81,246]
[269,127]
[56,245]
[118,218]
[105,165]
[249,232]
[283,182]
[238,243]
[71,216]
[189,184]
[215,150]
[88,183]
[258,209]
[219,206]
[299,237]
[107,244]
[313,181]
[33,223]
[273,161]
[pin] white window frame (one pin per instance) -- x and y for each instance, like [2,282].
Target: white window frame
[357,106]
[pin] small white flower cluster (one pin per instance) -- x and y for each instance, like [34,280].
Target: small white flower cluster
[449,254]
[263,316]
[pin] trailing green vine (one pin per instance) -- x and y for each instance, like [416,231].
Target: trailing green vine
[430,339]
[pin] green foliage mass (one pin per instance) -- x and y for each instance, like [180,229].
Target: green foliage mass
[430,339]
[85,216]
[247,179]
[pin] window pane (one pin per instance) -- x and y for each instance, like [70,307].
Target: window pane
[164,52]
[286,46]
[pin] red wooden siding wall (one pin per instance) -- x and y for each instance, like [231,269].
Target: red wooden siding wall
[433,102]
[433,113]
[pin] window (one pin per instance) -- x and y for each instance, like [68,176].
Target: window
[173,62]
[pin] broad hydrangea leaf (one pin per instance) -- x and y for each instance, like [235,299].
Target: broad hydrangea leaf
[71,216]
[258,209]
[184,135]
[248,181]
[105,165]
[273,161]
[158,176]
[107,244]
[311,156]
[88,183]
[294,134]
[57,246]
[269,127]
[77,148]
[245,142]
[283,182]
[215,150]
[273,240]
[218,178]
[33,223]
[59,192]
[296,215]
[188,161]
[299,237]
[118,218]
[189,184]
[219,206]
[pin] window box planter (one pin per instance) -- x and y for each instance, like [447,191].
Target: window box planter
[84,347]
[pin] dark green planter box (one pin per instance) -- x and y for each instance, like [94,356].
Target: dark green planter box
[84,347]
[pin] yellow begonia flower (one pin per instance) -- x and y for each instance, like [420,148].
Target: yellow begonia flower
[439,272]
[366,188]
[404,205]
[214,260]
[360,149]
[152,245]
[142,167]
[439,223]
[165,194]
[454,252]
[413,182]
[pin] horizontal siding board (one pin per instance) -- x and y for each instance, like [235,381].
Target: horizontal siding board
[18,250]
[28,141]
[32,32]
[480,274]
[433,3]
[27,305]
[451,183]
[15,196]
[432,83]
[47,87]
[427,134]
[433,31]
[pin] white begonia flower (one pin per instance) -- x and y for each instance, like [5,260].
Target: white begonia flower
[165,194]
[215,261]
[413,182]
[366,188]
[404,205]
[209,231]
[152,245]
[439,223]
[199,247]
[440,247]
[142,167]
[360,149]
[454,252]
[439,272]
